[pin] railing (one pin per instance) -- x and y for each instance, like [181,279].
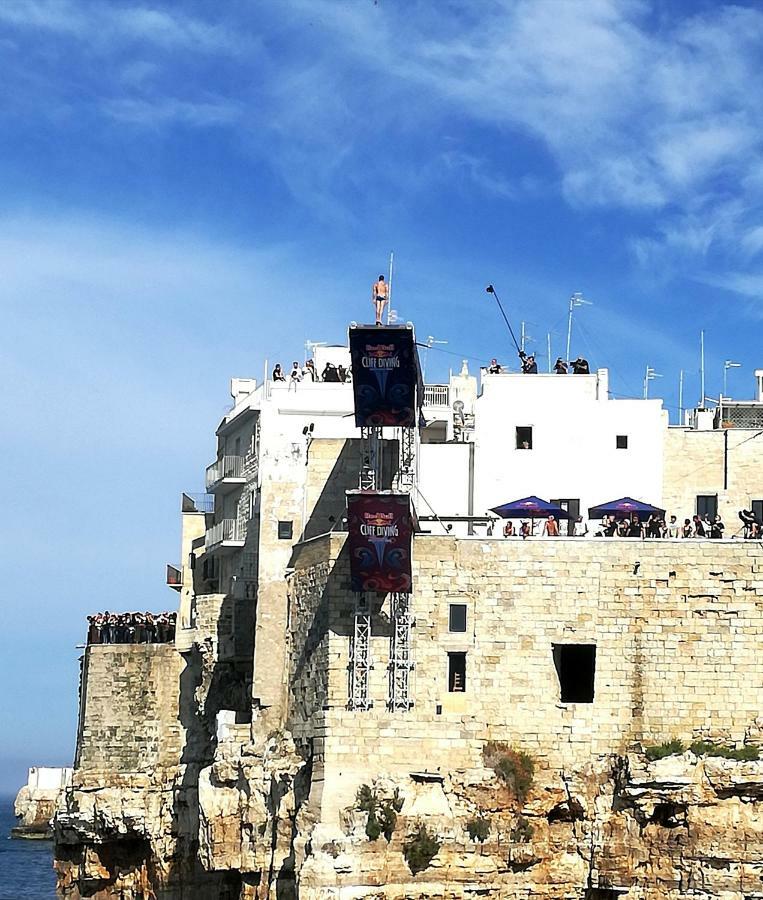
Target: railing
[227,467]
[224,531]
[198,503]
[436,395]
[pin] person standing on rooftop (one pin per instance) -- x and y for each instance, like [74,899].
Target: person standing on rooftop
[380,297]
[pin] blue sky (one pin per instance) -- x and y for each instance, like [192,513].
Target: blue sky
[189,188]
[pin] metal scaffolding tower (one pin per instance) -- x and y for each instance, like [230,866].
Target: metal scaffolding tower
[360,655]
[370,458]
[400,653]
[406,477]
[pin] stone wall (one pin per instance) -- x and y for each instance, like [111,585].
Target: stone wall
[712,462]
[676,625]
[129,718]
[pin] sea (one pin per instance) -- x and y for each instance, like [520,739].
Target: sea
[26,867]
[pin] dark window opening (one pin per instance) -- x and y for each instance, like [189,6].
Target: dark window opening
[457,618]
[524,437]
[621,442]
[285,531]
[456,673]
[757,510]
[707,505]
[575,667]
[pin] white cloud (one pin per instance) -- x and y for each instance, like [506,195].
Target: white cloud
[169,110]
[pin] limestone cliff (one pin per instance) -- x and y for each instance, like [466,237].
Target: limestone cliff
[677,828]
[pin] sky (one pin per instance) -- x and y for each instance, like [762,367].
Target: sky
[190,189]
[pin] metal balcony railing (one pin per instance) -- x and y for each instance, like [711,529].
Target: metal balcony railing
[227,467]
[198,503]
[436,395]
[227,531]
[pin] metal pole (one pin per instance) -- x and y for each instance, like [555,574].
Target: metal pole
[646,384]
[725,377]
[522,339]
[702,369]
[548,350]
[681,398]
[389,293]
[569,329]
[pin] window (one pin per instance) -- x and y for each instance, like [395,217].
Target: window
[456,673]
[575,667]
[621,442]
[524,437]
[457,618]
[707,504]
[757,509]
[285,531]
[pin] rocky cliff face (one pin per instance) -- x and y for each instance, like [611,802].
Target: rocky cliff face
[34,810]
[678,828]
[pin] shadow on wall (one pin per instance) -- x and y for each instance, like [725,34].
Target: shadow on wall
[342,476]
[208,685]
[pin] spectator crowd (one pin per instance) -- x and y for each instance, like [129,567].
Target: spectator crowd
[633,526]
[330,373]
[131,628]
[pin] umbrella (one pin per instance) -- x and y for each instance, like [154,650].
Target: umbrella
[623,508]
[530,508]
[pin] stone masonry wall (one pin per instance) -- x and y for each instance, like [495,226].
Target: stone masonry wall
[130,717]
[695,463]
[677,627]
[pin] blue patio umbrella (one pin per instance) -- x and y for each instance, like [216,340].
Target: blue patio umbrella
[624,508]
[530,508]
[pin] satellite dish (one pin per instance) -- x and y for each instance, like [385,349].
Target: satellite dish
[458,406]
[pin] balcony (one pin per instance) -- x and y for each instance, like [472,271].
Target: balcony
[437,395]
[226,474]
[226,536]
[174,577]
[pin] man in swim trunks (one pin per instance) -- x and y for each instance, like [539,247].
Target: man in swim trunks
[379,297]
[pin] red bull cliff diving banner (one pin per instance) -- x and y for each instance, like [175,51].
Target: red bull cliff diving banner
[380,537]
[385,376]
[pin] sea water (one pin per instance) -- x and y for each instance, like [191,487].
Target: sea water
[26,867]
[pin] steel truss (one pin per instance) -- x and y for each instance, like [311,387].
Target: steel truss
[405,480]
[360,655]
[400,654]
[371,458]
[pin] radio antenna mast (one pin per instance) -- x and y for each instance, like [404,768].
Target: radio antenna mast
[389,298]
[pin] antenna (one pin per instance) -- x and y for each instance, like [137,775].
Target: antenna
[702,369]
[430,342]
[726,366]
[649,376]
[524,337]
[681,397]
[576,300]
[548,350]
[389,292]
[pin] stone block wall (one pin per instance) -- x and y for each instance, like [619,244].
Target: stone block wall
[129,718]
[676,624]
[707,462]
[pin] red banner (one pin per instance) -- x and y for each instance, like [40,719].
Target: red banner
[380,538]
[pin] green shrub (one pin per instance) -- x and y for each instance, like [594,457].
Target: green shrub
[522,831]
[514,767]
[478,828]
[420,849]
[660,751]
[373,828]
[387,818]
[747,753]
[365,799]
[382,815]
